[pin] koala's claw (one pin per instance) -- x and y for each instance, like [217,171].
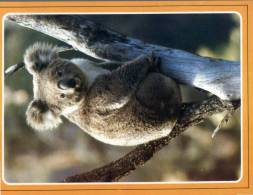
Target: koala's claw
[155,62]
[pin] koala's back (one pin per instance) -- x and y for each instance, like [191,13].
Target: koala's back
[149,114]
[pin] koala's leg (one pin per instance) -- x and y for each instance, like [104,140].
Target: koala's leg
[159,96]
[114,90]
[129,75]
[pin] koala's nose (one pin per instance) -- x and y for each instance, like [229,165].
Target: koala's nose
[67,84]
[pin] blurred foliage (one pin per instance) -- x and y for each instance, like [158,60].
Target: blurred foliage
[50,156]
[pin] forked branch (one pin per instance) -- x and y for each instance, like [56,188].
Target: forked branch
[191,115]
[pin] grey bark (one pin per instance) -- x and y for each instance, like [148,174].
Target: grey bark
[219,77]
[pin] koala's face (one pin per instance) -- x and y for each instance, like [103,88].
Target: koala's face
[62,84]
[59,87]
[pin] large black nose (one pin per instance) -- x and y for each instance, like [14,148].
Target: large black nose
[67,84]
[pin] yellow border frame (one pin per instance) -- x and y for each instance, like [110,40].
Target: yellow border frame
[245,8]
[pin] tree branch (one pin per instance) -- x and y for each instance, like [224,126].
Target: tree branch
[191,115]
[220,77]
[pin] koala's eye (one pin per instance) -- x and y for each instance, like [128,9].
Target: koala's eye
[62,96]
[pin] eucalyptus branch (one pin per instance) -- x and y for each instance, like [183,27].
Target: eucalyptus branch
[219,77]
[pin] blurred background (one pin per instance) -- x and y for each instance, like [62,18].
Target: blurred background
[50,156]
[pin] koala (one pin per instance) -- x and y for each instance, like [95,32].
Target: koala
[127,106]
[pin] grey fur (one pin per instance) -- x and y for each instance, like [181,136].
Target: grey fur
[128,106]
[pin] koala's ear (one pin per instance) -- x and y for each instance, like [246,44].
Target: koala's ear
[40,117]
[38,56]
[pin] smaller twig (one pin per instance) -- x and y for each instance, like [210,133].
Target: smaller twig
[12,69]
[229,113]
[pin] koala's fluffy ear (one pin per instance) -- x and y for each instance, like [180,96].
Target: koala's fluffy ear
[40,117]
[38,56]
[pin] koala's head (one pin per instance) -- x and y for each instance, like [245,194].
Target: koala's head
[59,86]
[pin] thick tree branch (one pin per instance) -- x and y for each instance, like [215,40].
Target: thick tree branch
[191,115]
[220,77]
